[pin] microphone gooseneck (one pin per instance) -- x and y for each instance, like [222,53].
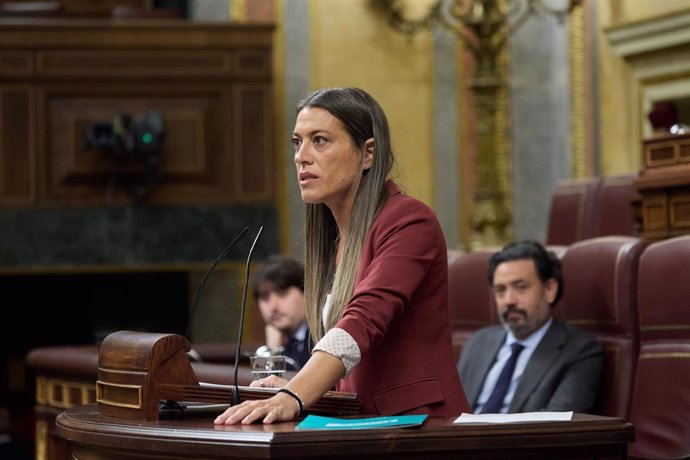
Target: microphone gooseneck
[200,291]
[236,389]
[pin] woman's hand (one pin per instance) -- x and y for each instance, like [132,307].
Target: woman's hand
[279,408]
[271,381]
[317,376]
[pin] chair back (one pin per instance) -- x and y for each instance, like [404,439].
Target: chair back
[614,210]
[469,296]
[661,406]
[600,280]
[572,214]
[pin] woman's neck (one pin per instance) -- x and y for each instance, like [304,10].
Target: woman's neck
[341,216]
[339,251]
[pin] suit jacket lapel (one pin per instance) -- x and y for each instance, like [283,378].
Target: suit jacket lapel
[493,342]
[540,361]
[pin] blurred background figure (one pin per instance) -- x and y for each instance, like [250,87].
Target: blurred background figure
[532,361]
[279,293]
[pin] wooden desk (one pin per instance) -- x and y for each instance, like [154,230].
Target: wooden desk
[94,436]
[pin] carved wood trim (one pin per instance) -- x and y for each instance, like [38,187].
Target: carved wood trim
[148,63]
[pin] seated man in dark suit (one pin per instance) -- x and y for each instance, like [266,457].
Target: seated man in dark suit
[532,361]
[279,293]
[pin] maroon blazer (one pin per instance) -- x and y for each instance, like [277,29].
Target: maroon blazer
[399,316]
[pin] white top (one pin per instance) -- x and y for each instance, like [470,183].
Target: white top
[338,342]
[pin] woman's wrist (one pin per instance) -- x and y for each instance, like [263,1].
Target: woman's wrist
[295,396]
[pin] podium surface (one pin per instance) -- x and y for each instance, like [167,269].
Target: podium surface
[95,436]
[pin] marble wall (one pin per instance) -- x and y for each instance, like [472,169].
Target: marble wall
[296,84]
[130,236]
[110,253]
[539,81]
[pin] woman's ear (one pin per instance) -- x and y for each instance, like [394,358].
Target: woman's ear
[368,154]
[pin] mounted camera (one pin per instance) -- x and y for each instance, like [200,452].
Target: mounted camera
[128,139]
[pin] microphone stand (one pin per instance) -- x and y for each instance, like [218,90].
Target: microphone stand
[171,404]
[200,291]
[236,390]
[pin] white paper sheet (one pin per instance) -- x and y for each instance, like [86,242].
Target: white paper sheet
[508,418]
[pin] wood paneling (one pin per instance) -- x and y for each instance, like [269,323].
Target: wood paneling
[17,157]
[253,172]
[665,187]
[145,63]
[81,7]
[17,63]
[194,166]
[99,6]
[212,83]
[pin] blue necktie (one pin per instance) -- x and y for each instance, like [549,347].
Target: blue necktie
[495,402]
[294,345]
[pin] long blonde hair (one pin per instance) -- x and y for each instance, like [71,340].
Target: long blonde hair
[363,118]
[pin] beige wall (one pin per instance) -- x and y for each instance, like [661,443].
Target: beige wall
[625,11]
[619,147]
[352,46]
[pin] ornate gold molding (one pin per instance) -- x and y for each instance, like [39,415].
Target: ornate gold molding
[63,394]
[484,27]
[51,394]
[503,147]
[578,94]
[41,440]
[238,10]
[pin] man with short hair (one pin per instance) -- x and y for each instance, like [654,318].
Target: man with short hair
[532,361]
[279,293]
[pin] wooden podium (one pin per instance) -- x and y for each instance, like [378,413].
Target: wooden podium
[96,436]
[139,370]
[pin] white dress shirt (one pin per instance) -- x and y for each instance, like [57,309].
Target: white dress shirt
[530,344]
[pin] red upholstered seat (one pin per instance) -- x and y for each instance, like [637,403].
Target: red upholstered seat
[664,290]
[600,277]
[469,296]
[614,213]
[661,403]
[81,362]
[572,215]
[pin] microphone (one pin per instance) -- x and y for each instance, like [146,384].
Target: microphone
[236,389]
[200,291]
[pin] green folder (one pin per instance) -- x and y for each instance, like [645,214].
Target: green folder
[315,422]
